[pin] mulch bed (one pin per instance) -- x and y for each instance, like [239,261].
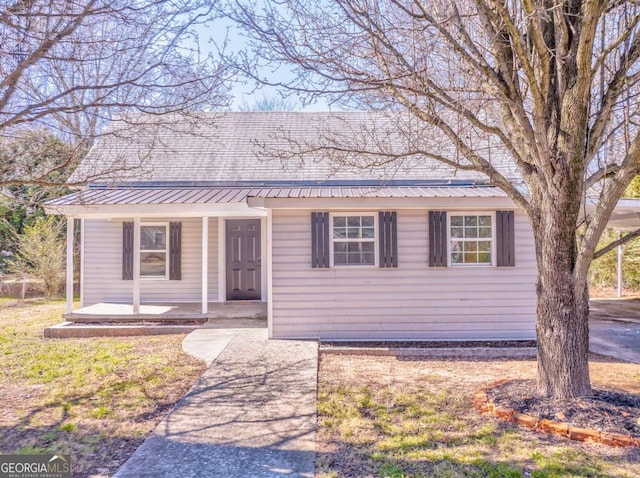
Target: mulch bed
[431,344]
[607,410]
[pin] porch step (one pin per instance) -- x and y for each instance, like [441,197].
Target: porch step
[67,330]
[176,319]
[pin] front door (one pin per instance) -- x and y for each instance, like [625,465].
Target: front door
[243,259]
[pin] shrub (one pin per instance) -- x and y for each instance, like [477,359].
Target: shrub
[40,254]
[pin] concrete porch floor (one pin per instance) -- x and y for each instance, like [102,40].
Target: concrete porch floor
[189,310]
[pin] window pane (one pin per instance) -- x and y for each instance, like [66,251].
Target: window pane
[485,232]
[153,237]
[153,264]
[484,246]
[353,246]
[340,247]
[456,232]
[470,221]
[339,221]
[368,232]
[368,247]
[471,246]
[339,232]
[484,221]
[368,221]
[354,258]
[484,258]
[456,221]
[470,257]
[368,258]
[353,221]
[339,258]
[353,233]
[354,253]
[471,232]
[456,258]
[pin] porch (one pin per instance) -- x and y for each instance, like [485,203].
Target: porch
[109,319]
[168,312]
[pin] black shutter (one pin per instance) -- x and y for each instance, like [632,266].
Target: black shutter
[505,241]
[438,239]
[127,251]
[319,240]
[175,248]
[388,239]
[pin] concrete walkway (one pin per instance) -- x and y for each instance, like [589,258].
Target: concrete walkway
[252,414]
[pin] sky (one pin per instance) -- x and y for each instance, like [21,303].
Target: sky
[246,93]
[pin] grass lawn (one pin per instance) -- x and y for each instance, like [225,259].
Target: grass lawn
[381,416]
[95,399]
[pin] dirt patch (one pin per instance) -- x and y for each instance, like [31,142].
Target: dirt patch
[607,410]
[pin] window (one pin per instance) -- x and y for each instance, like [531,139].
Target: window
[353,240]
[471,238]
[153,250]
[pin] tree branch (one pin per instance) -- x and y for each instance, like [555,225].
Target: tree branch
[623,240]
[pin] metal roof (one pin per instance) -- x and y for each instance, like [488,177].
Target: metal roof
[100,196]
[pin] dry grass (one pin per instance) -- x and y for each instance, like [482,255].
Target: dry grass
[95,399]
[380,416]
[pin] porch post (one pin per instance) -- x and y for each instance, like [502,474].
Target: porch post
[136,265]
[619,268]
[69,284]
[270,273]
[205,264]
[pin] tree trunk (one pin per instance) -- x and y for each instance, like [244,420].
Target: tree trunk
[562,314]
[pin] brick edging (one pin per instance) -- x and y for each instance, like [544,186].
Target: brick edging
[484,405]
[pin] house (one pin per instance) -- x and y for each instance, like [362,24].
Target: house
[274,207]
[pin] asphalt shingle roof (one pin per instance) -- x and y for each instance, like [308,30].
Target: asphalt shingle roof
[276,146]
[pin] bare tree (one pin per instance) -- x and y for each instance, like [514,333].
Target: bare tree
[71,65]
[553,83]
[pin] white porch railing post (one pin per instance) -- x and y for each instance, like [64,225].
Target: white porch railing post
[69,281]
[136,265]
[205,264]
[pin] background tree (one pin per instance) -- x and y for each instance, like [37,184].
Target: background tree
[28,156]
[553,83]
[71,65]
[40,255]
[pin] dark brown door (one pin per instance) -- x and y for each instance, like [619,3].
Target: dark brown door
[243,259]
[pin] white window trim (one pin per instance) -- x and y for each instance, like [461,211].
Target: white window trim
[166,252]
[375,240]
[492,215]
